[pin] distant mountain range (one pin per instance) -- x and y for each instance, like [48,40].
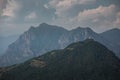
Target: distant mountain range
[113,36]
[86,60]
[45,37]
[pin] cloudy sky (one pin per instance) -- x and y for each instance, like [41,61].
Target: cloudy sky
[16,16]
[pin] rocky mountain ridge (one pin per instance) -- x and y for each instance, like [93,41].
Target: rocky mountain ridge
[44,38]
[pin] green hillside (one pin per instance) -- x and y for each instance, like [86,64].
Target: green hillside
[87,60]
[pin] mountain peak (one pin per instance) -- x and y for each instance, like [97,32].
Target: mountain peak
[51,28]
[43,24]
[115,30]
[83,29]
[43,38]
[31,28]
[89,40]
[80,43]
[46,26]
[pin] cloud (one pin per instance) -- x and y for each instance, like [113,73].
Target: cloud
[2,5]
[87,1]
[62,6]
[11,7]
[117,22]
[30,16]
[96,14]
[9,11]
[1,2]
[22,14]
[46,6]
[99,19]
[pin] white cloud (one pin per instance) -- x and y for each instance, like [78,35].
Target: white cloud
[99,19]
[94,15]
[1,6]
[61,6]
[69,13]
[30,16]
[11,8]
[46,6]
[117,22]
[86,1]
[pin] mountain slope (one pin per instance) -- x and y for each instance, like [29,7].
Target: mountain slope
[87,60]
[80,34]
[38,40]
[32,43]
[113,36]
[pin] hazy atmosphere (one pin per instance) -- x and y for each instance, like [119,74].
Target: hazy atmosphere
[59,39]
[16,16]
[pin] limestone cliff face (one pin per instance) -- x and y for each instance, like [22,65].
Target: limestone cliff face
[32,43]
[18,51]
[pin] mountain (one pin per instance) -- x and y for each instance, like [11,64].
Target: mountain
[44,38]
[113,36]
[80,34]
[86,60]
[32,43]
[5,41]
